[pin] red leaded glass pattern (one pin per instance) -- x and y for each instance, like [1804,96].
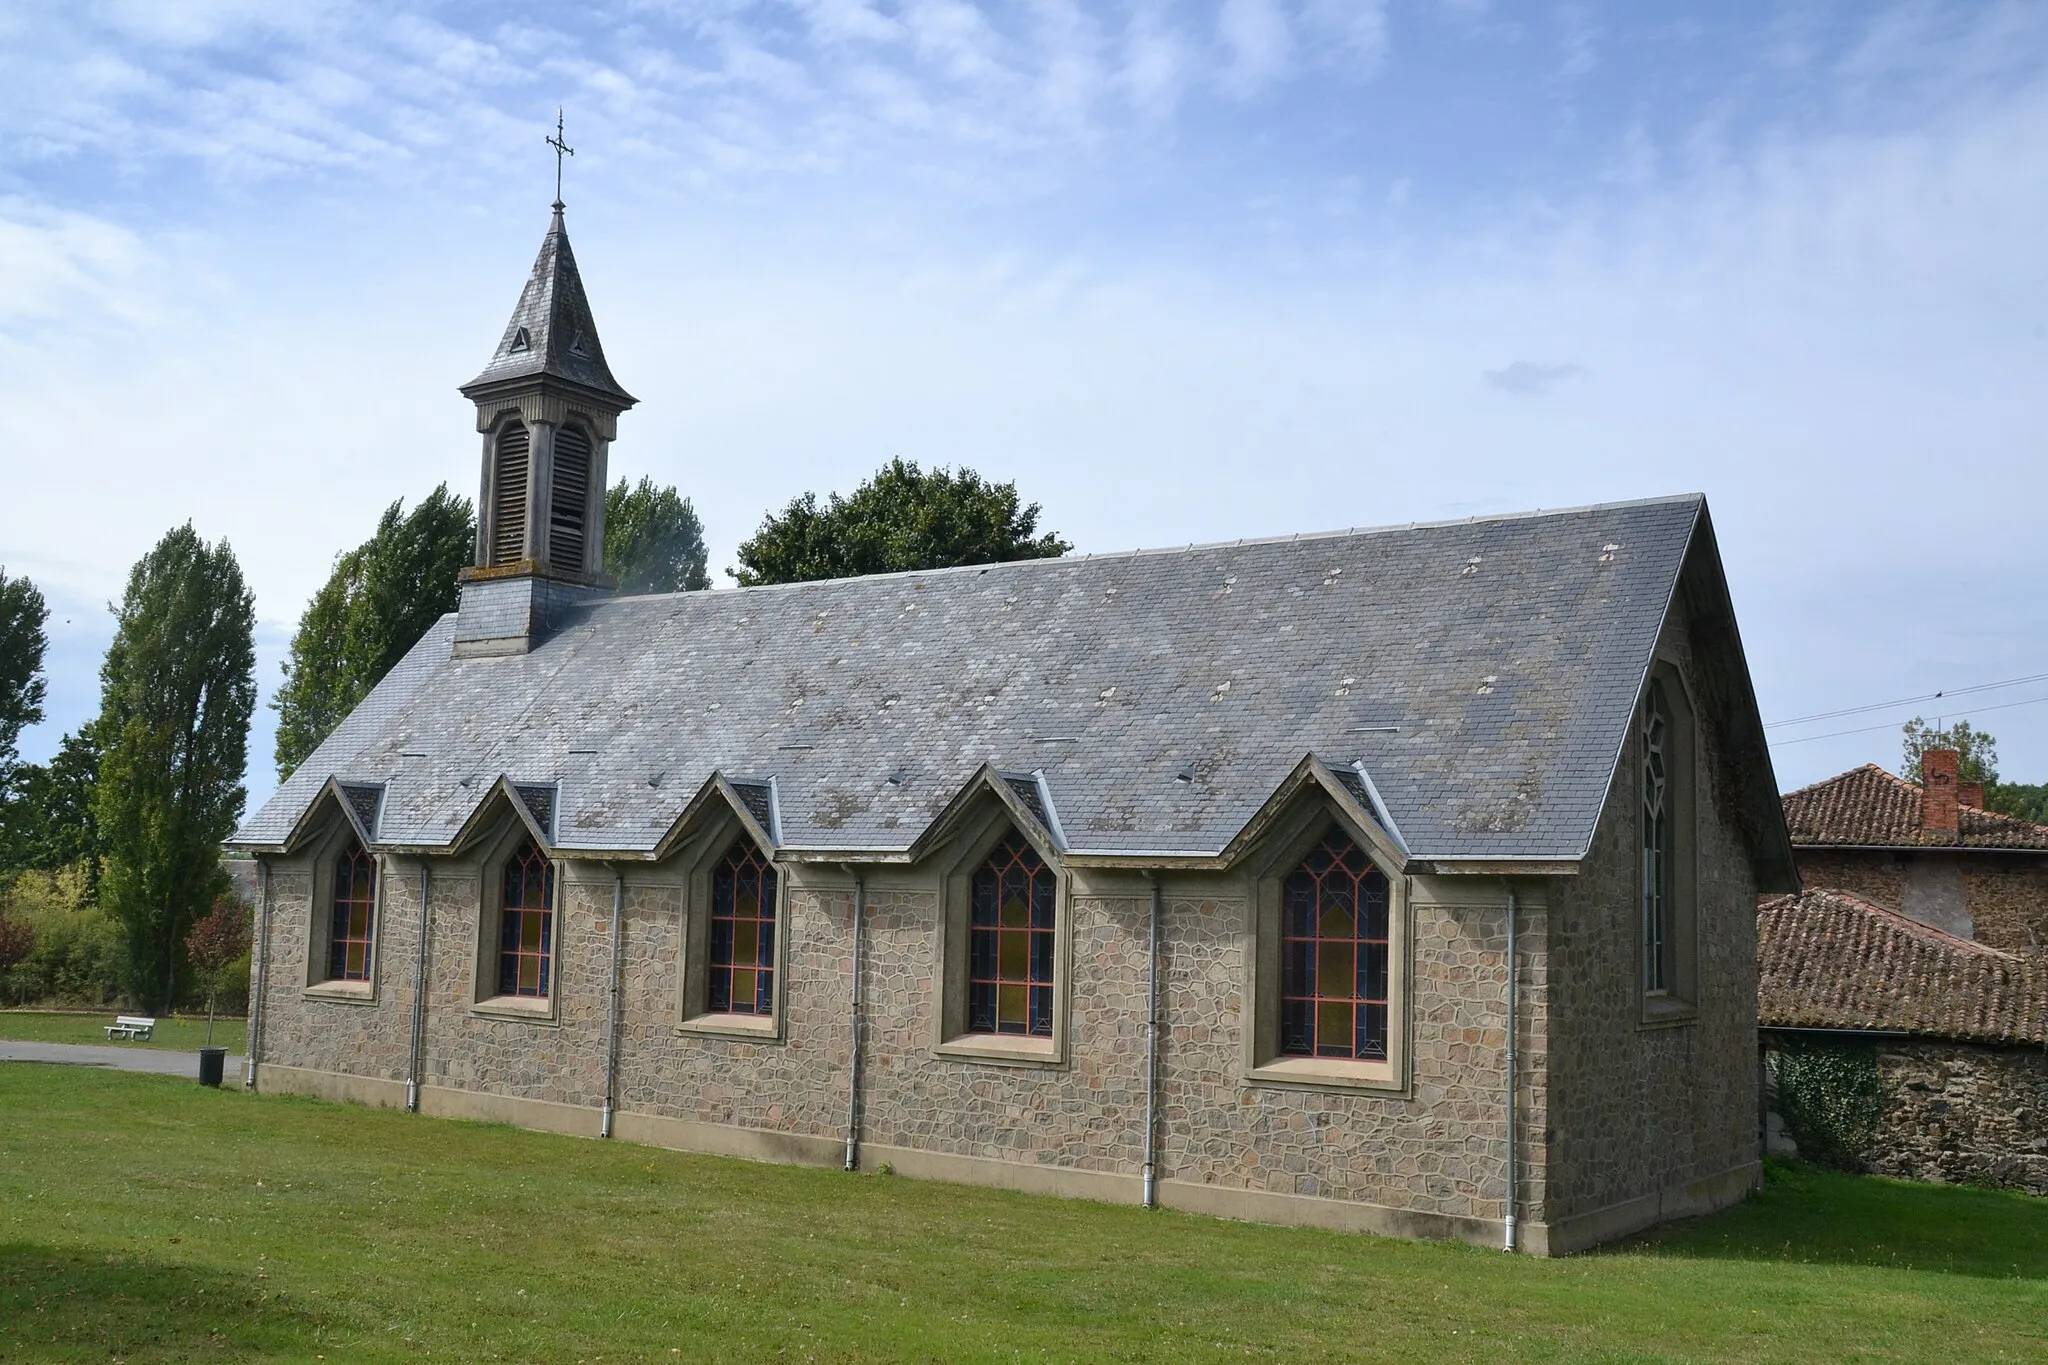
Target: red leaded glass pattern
[526,934]
[1333,955]
[1009,977]
[355,908]
[743,932]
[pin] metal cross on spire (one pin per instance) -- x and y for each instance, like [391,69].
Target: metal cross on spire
[562,149]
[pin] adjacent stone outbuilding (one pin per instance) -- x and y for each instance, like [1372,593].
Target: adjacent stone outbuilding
[1398,880]
[1955,1033]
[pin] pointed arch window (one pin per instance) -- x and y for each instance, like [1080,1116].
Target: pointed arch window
[526,933]
[569,501]
[352,916]
[742,932]
[1012,947]
[1656,842]
[1334,950]
[511,459]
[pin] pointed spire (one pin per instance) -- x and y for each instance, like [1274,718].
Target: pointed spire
[552,333]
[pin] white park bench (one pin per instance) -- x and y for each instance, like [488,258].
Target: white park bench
[131,1026]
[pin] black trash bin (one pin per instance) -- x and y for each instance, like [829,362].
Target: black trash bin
[212,1062]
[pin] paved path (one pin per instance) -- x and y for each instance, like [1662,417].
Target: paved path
[155,1060]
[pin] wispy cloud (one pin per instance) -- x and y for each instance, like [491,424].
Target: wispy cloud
[1527,377]
[1258,44]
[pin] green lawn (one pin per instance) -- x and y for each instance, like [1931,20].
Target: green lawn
[183,1034]
[144,1219]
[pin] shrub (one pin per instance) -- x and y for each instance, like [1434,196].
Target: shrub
[1832,1097]
[78,957]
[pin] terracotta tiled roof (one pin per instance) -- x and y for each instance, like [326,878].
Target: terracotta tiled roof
[1867,805]
[1827,959]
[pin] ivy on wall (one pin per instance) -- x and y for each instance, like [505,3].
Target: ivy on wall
[1831,1096]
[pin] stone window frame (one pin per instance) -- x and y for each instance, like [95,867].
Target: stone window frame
[491,859]
[1290,841]
[697,860]
[319,931]
[979,836]
[1679,1003]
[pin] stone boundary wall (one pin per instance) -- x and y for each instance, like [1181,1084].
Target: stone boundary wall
[1963,1114]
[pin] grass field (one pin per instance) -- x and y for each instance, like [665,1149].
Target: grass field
[149,1219]
[183,1034]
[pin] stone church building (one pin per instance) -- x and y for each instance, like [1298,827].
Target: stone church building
[1399,880]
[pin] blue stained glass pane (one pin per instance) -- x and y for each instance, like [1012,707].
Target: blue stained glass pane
[985,898]
[1297,1033]
[984,946]
[1372,1032]
[721,942]
[1298,969]
[544,976]
[981,1008]
[1372,971]
[1373,907]
[1041,957]
[767,957]
[547,933]
[1041,900]
[1299,905]
[764,992]
[1041,1010]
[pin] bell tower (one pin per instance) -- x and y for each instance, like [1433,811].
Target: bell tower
[548,410]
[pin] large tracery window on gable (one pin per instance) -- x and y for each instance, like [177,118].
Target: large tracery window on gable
[1012,942]
[1656,839]
[1334,950]
[352,914]
[742,958]
[526,934]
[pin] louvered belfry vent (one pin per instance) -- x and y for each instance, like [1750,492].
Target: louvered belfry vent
[571,499]
[508,495]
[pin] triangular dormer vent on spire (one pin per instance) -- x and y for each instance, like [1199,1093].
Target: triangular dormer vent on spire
[521,341]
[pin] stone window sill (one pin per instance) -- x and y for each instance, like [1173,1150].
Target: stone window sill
[759,1028]
[1665,1011]
[1324,1073]
[344,992]
[1003,1051]
[519,1007]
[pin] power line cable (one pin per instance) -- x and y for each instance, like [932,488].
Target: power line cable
[1866,729]
[1906,701]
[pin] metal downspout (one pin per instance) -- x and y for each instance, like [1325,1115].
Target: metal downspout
[419,995]
[1152,1052]
[259,966]
[860,917]
[1514,1027]
[611,1036]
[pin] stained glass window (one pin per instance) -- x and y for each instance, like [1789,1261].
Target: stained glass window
[355,908]
[526,934]
[1333,955]
[1011,943]
[1657,861]
[743,932]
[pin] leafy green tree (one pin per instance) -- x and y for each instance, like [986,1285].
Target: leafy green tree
[177,690]
[22,644]
[653,541]
[902,518]
[381,598]
[51,822]
[1978,749]
[2023,800]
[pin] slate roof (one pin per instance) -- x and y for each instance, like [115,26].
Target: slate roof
[1827,959]
[1869,807]
[552,331]
[1482,672]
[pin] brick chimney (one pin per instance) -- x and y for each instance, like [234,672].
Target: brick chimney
[1939,770]
[1970,795]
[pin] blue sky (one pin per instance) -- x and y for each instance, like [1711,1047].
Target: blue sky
[1186,271]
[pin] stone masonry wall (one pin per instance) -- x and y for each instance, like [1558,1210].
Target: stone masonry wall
[1999,899]
[1963,1114]
[1639,1108]
[369,1037]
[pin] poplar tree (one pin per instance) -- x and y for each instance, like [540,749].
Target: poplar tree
[653,541]
[23,642]
[381,598]
[177,690]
